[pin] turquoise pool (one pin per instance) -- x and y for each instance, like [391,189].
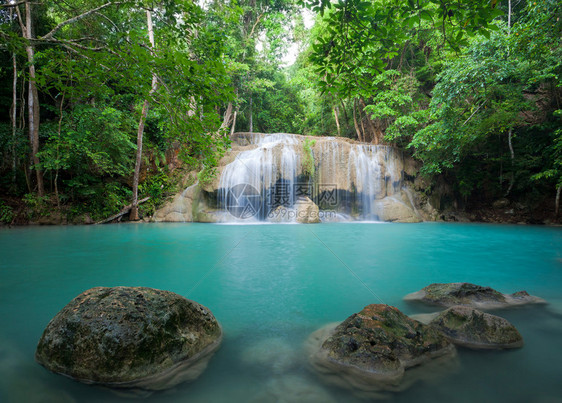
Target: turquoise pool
[270,286]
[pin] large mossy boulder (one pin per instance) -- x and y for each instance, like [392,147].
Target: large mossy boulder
[130,337]
[467,294]
[371,351]
[469,327]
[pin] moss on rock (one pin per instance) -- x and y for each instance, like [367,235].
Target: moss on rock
[371,350]
[467,294]
[128,337]
[472,328]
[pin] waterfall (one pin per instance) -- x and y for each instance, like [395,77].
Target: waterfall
[261,178]
[350,178]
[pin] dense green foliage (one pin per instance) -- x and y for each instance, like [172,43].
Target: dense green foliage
[472,89]
[93,76]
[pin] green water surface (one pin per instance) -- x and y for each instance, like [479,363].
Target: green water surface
[270,286]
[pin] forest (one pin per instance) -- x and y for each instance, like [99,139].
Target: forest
[106,104]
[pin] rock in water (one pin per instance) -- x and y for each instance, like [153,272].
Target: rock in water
[473,295]
[130,337]
[307,211]
[371,350]
[469,327]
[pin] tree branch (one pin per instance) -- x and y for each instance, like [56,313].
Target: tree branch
[78,17]
[17,3]
[125,210]
[470,117]
[255,25]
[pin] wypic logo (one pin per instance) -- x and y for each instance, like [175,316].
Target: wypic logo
[243,201]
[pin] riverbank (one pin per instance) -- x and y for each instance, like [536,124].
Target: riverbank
[20,214]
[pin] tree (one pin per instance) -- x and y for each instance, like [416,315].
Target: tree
[134,214]
[87,61]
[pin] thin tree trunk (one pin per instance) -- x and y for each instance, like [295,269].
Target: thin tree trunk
[58,142]
[33,103]
[362,125]
[337,120]
[357,129]
[251,117]
[512,177]
[345,119]
[233,123]
[13,115]
[134,213]
[22,106]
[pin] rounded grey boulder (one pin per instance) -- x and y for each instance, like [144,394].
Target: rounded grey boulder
[469,327]
[377,350]
[467,294]
[130,337]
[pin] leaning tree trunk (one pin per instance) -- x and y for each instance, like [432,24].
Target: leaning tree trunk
[134,213]
[33,103]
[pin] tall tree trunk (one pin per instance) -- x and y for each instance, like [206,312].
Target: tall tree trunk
[357,129]
[345,118]
[337,120]
[512,155]
[134,213]
[58,157]
[251,116]
[227,117]
[13,115]
[510,132]
[362,125]
[33,102]
[233,123]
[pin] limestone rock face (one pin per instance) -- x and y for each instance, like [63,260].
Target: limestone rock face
[307,211]
[469,327]
[180,209]
[130,337]
[473,295]
[304,211]
[372,349]
[393,210]
[355,180]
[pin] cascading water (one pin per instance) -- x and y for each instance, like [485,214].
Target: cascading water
[350,178]
[261,178]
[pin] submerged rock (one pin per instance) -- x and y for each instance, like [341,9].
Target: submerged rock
[273,355]
[466,294]
[130,337]
[372,350]
[469,327]
[293,388]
